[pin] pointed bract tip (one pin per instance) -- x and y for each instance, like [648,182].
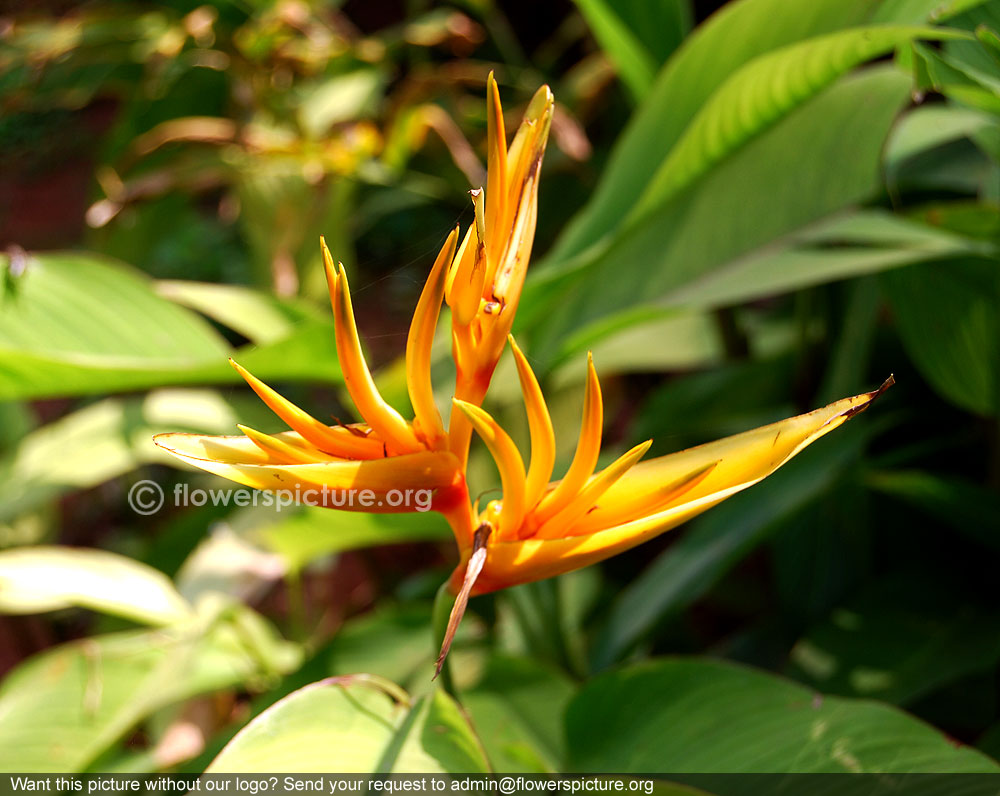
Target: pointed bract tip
[541,104]
[854,410]
[469,410]
[325,251]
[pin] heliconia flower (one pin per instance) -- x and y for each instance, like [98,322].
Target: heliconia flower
[539,529]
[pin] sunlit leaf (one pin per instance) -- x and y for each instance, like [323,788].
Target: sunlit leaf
[108,439]
[37,579]
[338,99]
[80,323]
[259,317]
[64,707]
[304,536]
[351,724]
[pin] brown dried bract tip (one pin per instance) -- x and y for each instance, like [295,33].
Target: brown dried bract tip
[472,570]
[871,397]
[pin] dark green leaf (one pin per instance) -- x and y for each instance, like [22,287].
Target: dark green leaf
[705,716]
[948,316]
[900,640]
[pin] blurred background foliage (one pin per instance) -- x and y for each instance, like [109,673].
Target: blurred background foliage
[748,209]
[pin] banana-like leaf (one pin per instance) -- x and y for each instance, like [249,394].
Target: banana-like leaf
[774,187]
[763,91]
[37,579]
[80,324]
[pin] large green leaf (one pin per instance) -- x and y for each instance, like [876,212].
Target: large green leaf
[64,707]
[69,318]
[75,324]
[775,185]
[735,35]
[36,579]
[760,93]
[841,247]
[838,248]
[948,316]
[899,641]
[350,724]
[691,715]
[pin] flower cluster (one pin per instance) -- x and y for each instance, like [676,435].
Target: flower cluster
[539,528]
